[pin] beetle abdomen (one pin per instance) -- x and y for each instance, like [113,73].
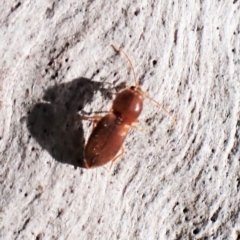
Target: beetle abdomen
[105,141]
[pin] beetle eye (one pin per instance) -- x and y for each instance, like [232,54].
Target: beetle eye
[132,87]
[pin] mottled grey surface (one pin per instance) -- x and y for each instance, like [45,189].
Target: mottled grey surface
[173,182]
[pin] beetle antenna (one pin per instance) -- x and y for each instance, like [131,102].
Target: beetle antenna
[129,61]
[161,106]
[119,49]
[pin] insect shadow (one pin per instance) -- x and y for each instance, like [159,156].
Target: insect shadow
[53,122]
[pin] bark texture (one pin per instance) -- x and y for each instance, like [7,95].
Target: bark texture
[173,182]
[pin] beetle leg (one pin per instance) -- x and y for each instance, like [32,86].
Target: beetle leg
[118,156]
[94,118]
[139,128]
[135,124]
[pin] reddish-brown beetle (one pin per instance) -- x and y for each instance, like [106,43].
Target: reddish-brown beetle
[111,130]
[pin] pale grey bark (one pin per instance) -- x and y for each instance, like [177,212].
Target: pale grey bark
[173,182]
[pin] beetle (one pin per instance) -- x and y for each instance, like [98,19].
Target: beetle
[108,135]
